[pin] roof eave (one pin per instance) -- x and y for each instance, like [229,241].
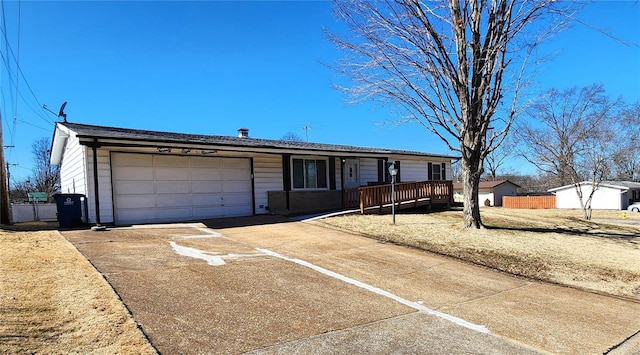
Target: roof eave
[262,147]
[58,143]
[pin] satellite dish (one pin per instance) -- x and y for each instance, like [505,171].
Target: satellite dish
[61,113]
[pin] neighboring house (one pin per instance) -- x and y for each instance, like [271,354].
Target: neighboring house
[488,190]
[610,195]
[135,176]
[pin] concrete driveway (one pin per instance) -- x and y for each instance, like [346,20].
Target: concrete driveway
[268,285]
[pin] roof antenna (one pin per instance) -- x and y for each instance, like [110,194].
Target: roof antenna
[307,128]
[61,113]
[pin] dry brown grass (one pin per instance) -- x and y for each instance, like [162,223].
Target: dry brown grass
[53,301]
[551,245]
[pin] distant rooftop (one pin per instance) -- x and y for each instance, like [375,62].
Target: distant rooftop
[486,184]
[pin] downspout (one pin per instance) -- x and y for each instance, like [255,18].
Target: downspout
[96,194]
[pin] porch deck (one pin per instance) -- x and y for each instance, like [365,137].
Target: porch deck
[377,199]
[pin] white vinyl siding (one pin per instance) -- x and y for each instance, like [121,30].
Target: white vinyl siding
[267,171]
[368,171]
[604,198]
[72,168]
[413,170]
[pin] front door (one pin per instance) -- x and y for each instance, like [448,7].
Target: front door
[351,173]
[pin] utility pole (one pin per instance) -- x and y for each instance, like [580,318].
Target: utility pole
[9,172]
[4,191]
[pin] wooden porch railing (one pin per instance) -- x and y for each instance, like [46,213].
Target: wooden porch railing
[407,195]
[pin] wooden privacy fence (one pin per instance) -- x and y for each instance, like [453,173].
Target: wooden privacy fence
[529,202]
[407,195]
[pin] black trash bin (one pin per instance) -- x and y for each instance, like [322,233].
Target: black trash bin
[71,208]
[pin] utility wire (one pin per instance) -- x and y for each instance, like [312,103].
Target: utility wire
[24,78]
[6,46]
[36,126]
[9,71]
[15,114]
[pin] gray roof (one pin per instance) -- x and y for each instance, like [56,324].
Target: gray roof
[627,184]
[622,185]
[90,131]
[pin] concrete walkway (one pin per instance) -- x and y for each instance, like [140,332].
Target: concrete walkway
[268,285]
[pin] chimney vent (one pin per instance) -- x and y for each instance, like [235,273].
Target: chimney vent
[243,132]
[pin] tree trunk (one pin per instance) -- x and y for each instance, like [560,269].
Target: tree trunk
[470,182]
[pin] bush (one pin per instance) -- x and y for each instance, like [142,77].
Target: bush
[487,203]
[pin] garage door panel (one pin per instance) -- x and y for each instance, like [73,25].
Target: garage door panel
[235,174]
[206,162]
[170,161]
[237,199]
[172,174]
[235,163]
[133,188]
[167,187]
[207,200]
[198,187]
[208,212]
[174,214]
[135,215]
[152,187]
[135,173]
[206,174]
[132,159]
[173,200]
[136,201]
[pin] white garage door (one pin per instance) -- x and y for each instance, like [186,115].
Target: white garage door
[162,188]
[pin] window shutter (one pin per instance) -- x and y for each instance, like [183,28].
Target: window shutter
[321,174]
[398,167]
[430,171]
[332,173]
[444,171]
[286,172]
[380,170]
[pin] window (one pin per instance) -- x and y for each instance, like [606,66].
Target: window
[309,174]
[436,172]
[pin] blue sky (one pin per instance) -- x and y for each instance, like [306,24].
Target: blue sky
[211,67]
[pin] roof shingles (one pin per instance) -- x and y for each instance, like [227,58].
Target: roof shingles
[91,131]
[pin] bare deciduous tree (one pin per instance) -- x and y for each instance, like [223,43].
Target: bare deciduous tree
[46,177]
[496,159]
[571,135]
[626,161]
[291,137]
[450,64]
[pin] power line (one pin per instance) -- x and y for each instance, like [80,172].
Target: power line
[15,114]
[24,78]
[6,46]
[32,125]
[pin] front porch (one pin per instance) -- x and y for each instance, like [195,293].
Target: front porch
[377,198]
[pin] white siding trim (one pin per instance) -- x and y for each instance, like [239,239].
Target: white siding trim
[267,173]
